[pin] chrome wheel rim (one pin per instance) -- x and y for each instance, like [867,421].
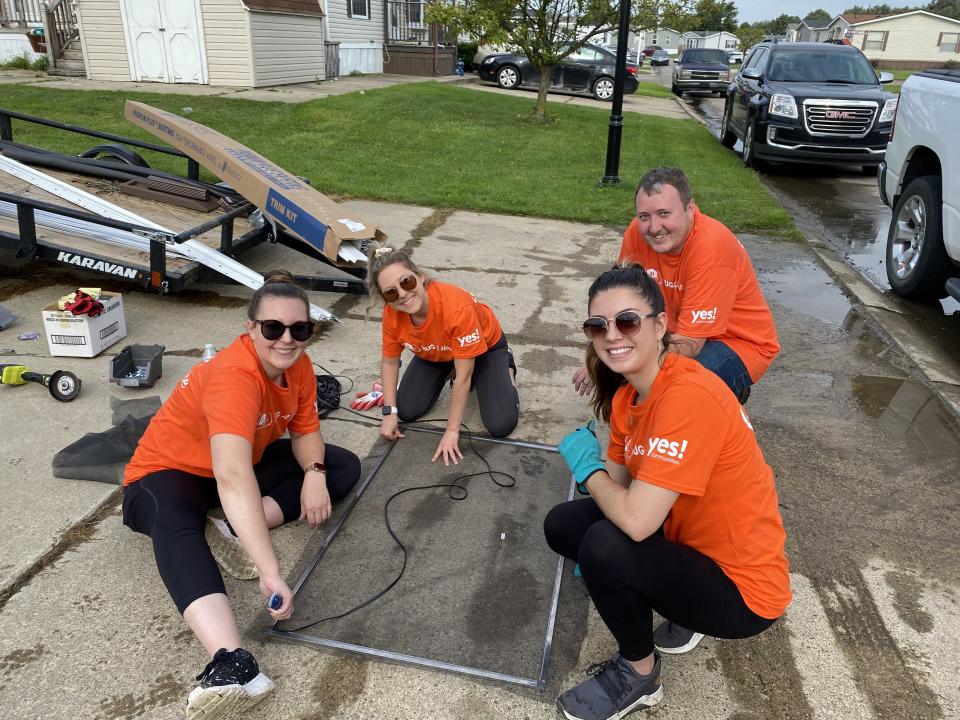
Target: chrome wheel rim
[907,244]
[508,77]
[604,89]
[748,144]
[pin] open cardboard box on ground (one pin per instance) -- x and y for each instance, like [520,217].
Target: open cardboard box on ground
[305,212]
[70,335]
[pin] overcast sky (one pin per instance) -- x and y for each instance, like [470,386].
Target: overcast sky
[753,10]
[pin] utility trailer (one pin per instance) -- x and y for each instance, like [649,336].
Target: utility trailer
[165,261]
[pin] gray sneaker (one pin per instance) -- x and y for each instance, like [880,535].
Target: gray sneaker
[613,689]
[674,639]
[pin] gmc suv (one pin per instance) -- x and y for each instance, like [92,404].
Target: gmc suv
[809,103]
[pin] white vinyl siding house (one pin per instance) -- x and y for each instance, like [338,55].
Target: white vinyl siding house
[227,31]
[917,36]
[286,48]
[358,27]
[721,40]
[102,40]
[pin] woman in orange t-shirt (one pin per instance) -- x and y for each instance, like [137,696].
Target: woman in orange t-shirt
[218,441]
[682,518]
[449,331]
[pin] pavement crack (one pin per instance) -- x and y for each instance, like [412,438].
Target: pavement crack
[70,539]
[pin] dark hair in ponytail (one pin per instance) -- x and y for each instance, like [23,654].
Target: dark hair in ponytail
[605,381]
[277,283]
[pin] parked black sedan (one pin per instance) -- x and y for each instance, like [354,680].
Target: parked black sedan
[587,70]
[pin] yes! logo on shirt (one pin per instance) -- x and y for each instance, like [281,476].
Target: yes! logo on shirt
[665,449]
[470,339]
[707,316]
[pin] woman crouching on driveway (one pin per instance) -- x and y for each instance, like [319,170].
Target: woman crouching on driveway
[681,519]
[449,331]
[217,441]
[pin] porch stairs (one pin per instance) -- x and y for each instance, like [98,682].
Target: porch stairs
[70,63]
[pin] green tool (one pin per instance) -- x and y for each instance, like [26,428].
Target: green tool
[63,385]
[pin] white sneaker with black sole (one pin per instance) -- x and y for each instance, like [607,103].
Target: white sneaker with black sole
[675,639]
[231,683]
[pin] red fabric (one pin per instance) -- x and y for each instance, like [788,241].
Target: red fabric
[84,304]
[727,508]
[711,291]
[229,394]
[457,326]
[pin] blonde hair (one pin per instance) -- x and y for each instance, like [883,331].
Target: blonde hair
[383,256]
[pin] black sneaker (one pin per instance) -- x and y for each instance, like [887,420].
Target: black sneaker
[674,639]
[230,683]
[613,690]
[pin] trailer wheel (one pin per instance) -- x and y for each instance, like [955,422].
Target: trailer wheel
[124,155]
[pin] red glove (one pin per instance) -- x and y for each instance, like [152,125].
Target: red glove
[367,401]
[83,304]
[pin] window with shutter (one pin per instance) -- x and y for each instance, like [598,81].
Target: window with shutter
[948,42]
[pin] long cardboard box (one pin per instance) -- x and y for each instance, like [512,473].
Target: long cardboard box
[304,211]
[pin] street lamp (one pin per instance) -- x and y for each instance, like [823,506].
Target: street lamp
[616,114]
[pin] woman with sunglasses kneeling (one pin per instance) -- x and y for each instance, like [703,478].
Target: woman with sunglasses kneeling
[217,441]
[682,518]
[449,331]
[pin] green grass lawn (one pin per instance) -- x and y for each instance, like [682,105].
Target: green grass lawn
[653,89]
[441,146]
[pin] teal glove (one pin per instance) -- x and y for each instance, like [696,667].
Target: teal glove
[581,450]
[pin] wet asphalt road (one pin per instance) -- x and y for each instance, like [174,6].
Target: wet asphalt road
[841,207]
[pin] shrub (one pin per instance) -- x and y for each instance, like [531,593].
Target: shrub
[466,51]
[21,62]
[40,64]
[951,64]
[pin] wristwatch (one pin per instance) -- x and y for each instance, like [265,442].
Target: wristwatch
[389,410]
[317,466]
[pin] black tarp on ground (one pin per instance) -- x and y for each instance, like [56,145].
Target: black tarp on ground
[477,592]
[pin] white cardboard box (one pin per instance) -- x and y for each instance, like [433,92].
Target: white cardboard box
[70,335]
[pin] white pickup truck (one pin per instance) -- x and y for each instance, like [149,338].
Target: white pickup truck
[920,179]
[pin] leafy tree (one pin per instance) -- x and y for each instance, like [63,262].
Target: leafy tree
[749,34]
[818,17]
[778,26]
[947,8]
[546,31]
[715,15]
[878,10]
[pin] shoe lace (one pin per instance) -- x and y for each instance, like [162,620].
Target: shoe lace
[611,677]
[222,663]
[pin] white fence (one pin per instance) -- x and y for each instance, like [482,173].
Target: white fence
[21,13]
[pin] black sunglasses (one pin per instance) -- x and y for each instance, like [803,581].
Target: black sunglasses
[274,329]
[628,323]
[407,283]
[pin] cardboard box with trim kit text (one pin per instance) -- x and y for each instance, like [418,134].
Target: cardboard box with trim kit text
[70,335]
[305,212]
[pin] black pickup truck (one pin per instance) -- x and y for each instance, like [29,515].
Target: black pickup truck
[809,103]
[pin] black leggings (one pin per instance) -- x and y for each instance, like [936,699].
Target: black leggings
[628,580]
[170,506]
[496,394]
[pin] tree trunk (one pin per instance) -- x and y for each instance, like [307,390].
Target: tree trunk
[539,112]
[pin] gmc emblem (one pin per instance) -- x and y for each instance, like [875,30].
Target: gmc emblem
[839,115]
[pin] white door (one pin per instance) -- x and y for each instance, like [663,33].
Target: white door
[165,41]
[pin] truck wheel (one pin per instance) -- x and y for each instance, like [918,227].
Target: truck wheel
[727,137]
[749,146]
[917,263]
[675,89]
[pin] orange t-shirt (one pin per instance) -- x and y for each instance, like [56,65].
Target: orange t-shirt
[690,435]
[228,394]
[711,290]
[457,326]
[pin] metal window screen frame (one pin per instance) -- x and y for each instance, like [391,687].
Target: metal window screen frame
[538,682]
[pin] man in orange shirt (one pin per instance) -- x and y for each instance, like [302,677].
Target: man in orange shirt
[716,312]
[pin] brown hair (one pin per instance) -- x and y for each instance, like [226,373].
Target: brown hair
[277,283]
[654,181]
[605,381]
[381,257]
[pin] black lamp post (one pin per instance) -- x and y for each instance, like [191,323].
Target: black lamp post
[610,176]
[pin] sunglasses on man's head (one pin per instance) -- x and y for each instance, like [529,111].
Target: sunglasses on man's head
[407,283]
[628,322]
[274,329]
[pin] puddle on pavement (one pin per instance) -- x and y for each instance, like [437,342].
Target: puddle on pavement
[907,411]
[808,290]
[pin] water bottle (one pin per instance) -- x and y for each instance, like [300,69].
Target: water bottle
[208,352]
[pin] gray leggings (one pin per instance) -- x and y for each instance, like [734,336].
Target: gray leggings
[499,403]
